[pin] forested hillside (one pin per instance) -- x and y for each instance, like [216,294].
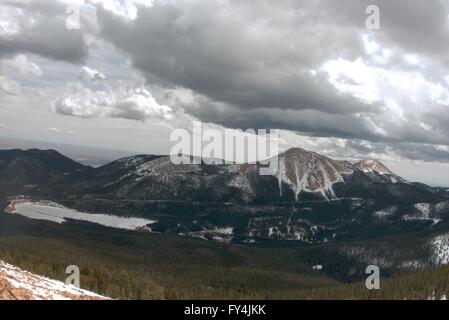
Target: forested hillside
[133,265]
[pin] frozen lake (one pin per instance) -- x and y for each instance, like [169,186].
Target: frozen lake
[59,214]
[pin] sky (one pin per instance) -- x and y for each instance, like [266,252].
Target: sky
[127,73]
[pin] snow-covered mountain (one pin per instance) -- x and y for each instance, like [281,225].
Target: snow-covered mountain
[305,171]
[301,175]
[378,171]
[17,284]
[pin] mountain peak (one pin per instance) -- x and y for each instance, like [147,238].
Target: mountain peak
[371,165]
[309,171]
[298,151]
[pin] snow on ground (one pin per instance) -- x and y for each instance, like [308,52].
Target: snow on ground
[370,166]
[424,208]
[219,234]
[440,249]
[225,230]
[386,212]
[423,211]
[434,297]
[414,218]
[17,284]
[412,265]
[289,233]
[56,213]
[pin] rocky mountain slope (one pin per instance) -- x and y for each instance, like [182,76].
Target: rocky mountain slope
[300,176]
[310,172]
[17,284]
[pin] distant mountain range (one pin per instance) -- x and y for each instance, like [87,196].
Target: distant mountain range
[89,156]
[301,176]
[310,198]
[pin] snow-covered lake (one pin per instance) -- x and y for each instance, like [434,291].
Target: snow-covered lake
[59,214]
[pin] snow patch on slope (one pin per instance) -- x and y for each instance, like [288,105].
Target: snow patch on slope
[309,172]
[424,211]
[16,283]
[241,182]
[370,166]
[440,249]
[424,208]
[386,212]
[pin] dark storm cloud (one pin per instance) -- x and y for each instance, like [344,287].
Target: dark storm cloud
[262,64]
[414,25]
[47,36]
[421,152]
[438,118]
[412,151]
[257,64]
[365,148]
[372,127]
[45,41]
[311,122]
[248,55]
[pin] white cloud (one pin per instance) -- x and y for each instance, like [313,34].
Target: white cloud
[9,17]
[409,97]
[14,69]
[9,86]
[20,65]
[91,74]
[126,9]
[53,129]
[115,102]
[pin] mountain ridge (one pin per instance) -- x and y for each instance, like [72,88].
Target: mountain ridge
[300,175]
[309,198]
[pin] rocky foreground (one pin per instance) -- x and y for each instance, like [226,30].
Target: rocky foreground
[17,284]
